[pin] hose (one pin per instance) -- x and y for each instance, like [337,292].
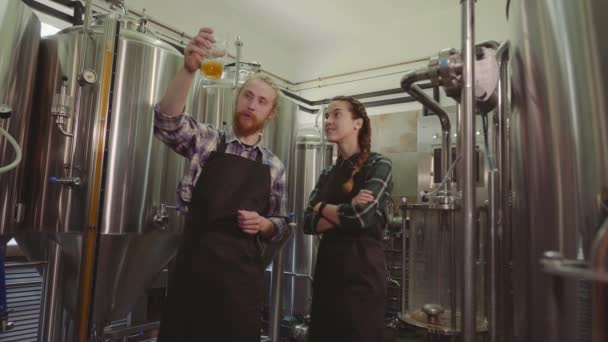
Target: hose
[486,143]
[13,142]
[446,177]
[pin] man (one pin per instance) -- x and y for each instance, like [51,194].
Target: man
[234,194]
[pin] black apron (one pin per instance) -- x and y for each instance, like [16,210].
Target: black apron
[216,288]
[349,289]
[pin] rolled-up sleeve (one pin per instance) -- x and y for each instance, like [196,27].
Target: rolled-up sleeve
[311,218]
[181,132]
[379,181]
[278,205]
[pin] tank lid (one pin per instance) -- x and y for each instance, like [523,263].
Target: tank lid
[308,135]
[128,29]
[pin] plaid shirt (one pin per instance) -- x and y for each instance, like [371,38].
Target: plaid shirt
[378,180]
[196,141]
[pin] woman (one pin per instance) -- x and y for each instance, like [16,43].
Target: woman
[346,208]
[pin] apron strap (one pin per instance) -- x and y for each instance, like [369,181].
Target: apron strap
[258,157]
[222,147]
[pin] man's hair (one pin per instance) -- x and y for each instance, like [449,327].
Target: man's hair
[268,80]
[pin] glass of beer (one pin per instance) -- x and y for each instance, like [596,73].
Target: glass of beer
[213,64]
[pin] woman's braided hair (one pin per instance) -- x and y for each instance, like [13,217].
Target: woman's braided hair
[364,138]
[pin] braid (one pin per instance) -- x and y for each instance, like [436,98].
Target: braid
[349,184]
[364,138]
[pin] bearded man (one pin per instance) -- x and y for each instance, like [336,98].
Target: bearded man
[234,194]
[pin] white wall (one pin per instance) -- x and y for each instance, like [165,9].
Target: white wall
[416,36]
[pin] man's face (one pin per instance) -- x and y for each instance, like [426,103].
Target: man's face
[253,107]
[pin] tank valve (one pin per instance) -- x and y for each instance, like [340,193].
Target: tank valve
[162,217]
[5,111]
[62,107]
[433,311]
[68,181]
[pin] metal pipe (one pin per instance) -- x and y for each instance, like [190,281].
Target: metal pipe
[497,206]
[322,135]
[278,268]
[277,294]
[87,16]
[404,249]
[156,22]
[350,73]
[51,321]
[493,175]
[454,266]
[111,33]
[407,83]
[81,69]
[505,194]
[468,132]
[237,60]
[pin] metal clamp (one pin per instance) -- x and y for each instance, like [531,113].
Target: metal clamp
[5,111]
[161,217]
[143,21]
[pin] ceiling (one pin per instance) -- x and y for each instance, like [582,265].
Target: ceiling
[317,22]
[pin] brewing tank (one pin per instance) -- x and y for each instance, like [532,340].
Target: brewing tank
[312,155]
[96,173]
[435,269]
[559,138]
[20,36]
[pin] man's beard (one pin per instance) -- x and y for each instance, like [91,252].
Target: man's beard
[245,127]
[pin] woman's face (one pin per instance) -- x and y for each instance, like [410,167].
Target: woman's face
[339,122]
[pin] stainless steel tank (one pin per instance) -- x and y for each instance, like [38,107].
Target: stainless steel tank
[20,37]
[96,173]
[312,155]
[559,134]
[435,269]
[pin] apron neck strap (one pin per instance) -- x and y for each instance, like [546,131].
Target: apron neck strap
[222,147]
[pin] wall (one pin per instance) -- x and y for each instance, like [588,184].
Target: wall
[417,36]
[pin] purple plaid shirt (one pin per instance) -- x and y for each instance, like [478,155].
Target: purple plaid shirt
[196,141]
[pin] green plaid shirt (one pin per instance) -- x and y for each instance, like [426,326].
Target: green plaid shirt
[378,179]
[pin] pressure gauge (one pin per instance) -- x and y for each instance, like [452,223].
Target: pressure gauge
[88,76]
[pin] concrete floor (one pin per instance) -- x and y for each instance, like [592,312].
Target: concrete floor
[403,335]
